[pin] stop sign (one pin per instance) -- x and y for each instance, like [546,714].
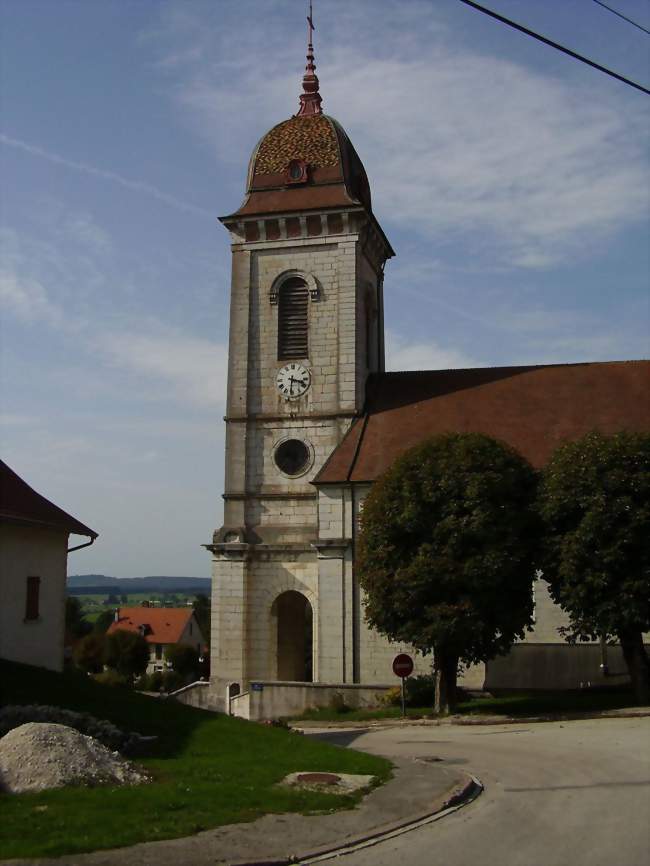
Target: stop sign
[402,665]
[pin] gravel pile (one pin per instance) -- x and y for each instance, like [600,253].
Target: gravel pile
[37,756]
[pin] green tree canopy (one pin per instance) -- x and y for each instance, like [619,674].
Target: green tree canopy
[126,652]
[75,623]
[88,653]
[201,605]
[595,503]
[103,621]
[447,552]
[183,658]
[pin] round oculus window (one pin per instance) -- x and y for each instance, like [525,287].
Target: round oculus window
[292,457]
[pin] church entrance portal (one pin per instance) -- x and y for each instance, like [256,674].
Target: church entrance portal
[295,637]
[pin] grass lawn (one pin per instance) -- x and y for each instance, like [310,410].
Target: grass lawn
[518,705]
[208,770]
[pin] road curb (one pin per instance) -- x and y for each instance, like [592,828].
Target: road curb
[459,798]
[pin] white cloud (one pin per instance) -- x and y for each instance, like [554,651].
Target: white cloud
[95,171]
[59,279]
[529,169]
[195,368]
[26,298]
[403,354]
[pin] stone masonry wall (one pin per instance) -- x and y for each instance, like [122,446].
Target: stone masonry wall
[269,578]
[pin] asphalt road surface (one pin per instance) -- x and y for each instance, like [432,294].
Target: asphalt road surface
[556,794]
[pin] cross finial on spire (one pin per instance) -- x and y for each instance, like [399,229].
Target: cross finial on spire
[310,98]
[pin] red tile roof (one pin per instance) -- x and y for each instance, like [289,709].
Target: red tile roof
[166,624]
[19,503]
[533,409]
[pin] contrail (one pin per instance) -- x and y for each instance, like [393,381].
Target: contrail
[135,185]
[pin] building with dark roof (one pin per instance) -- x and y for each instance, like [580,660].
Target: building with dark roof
[34,538]
[313,419]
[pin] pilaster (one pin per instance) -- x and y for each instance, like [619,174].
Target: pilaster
[229,612]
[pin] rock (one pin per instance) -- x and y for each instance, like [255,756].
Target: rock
[38,755]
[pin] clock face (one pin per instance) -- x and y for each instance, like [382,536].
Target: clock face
[293,380]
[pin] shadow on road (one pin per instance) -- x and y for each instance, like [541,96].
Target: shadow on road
[339,738]
[576,787]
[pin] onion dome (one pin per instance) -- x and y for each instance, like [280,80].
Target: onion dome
[306,162]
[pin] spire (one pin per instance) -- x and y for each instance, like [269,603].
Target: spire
[310,98]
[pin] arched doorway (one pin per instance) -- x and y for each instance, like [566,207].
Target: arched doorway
[294,637]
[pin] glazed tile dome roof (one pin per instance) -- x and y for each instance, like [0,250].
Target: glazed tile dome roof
[335,176]
[312,139]
[306,162]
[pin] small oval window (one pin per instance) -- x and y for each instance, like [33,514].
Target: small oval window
[292,457]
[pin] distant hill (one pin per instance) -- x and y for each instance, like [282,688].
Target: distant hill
[138,584]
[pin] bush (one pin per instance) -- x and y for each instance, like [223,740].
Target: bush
[149,682]
[88,653]
[126,652]
[107,733]
[184,659]
[391,697]
[171,680]
[338,705]
[420,691]
[158,681]
[112,678]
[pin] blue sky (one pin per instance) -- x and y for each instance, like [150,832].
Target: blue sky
[512,181]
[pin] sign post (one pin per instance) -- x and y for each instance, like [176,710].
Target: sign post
[403,668]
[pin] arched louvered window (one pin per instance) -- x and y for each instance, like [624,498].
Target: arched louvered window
[293,312]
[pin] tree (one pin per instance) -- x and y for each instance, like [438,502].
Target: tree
[75,623]
[595,504]
[103,621]
[201,605]
[447,552]
[126,652]
[183,658]
[88,653]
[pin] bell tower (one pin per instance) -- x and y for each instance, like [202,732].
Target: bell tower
[306,329]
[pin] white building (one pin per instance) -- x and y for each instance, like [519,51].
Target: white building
[34,551]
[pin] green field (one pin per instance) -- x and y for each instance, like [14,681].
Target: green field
[209,769]
[95,603]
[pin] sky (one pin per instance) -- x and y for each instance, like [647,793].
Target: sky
[511,180]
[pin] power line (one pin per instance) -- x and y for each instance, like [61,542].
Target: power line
[556,45]
[620,15]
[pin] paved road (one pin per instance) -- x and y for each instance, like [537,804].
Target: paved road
[556,794]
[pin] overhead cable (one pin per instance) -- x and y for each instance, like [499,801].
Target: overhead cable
[620,15]
[556,45]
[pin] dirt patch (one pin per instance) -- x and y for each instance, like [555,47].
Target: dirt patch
[332,783]
[38,756]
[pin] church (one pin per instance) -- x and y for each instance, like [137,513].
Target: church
[313,419]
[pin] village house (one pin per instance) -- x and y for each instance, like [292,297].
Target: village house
[161,627]
[34,552]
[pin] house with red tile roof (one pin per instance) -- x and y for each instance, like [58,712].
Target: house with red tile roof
[160,627]
[34,539]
